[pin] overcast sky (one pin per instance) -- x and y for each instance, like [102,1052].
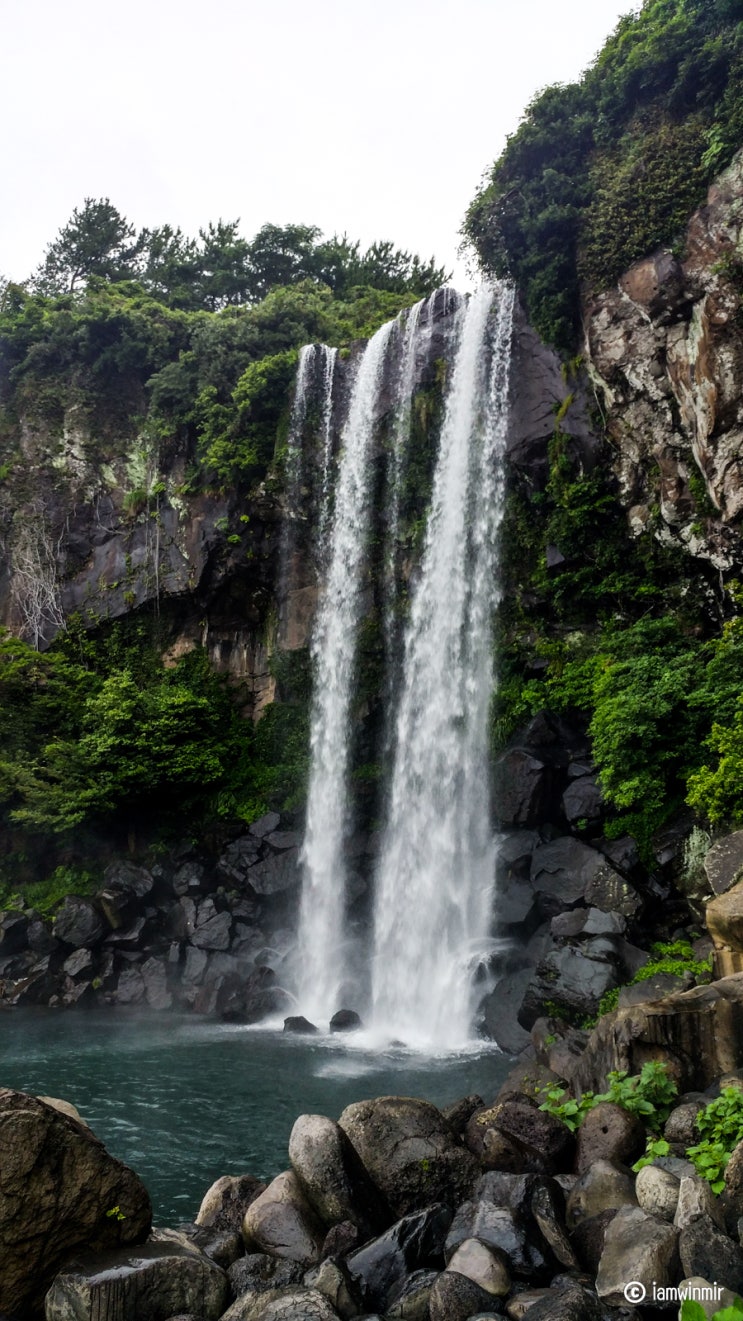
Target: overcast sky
[376,119]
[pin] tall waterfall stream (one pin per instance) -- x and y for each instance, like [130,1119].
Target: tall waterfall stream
[434,878]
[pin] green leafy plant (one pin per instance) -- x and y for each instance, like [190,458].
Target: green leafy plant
[692,1310]
[115,1213]
[655,1147]
[720,1125]
[649,1094]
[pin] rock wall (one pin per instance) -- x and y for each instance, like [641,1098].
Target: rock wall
[665,352]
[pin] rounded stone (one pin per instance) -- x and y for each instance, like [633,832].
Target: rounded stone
[602,1188]
[281,1223]
[657,1191]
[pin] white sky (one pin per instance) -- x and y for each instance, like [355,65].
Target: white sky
[377,120]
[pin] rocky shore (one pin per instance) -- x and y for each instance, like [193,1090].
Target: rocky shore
[398,1211]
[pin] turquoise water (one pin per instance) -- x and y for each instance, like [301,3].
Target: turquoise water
[184,1101]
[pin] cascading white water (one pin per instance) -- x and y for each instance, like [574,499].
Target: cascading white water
[321,955]
[435,877]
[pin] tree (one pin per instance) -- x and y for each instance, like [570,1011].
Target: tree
[96,241]
[281,255]
[223,259]
[172,268]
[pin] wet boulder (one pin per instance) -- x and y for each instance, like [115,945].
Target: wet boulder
[413,1243]
[58,1185]
[409,1152]
[571,978]
[409,1300]
[281,1222]
[157,1280]
[333,1178]
[224,1205]
[299,1026]
[345,1020]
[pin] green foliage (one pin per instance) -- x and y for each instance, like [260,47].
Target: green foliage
[720,1126]
[692,1310]
[716,792]
[674,959]
[602,171]
[655,1147]
[46,895]
[649,1094]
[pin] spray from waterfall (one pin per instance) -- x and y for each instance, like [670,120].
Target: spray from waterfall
[435,877]
[321,954]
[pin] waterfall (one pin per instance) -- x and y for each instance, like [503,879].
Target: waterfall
[315,374]
[435,876]
[321,954]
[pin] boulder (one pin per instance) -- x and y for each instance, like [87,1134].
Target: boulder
[566,873]
[548,1210]
[505,1231]
[637,1247]
[276,873]
[680,1125]
[331,1279]
[544,1142]
[409,1300]
[487,1268]
[455,1297]
[257,1272]
[14,929]
[657,1192]
[294,1303]
[333,1178]
[58,1185]
[566,1300]
[459,1113]
[414,1242]
[603,1187]
[696,1200]
[252,998]
[345,1020]
[588,1237]
[705,1250]
[583,800]
[281,1222]
[609,1132]
[500,1009]
[299,1026]
[585,922]
[155,978]
[158,1280]
[78,922]
[522,786]
[569,978]
[723,863]
[224,1205]
[409,1151]
[265,825]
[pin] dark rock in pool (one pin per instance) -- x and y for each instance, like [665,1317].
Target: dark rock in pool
[300,1026]
[346,1020]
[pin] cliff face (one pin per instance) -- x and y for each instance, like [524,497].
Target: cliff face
[665,351]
